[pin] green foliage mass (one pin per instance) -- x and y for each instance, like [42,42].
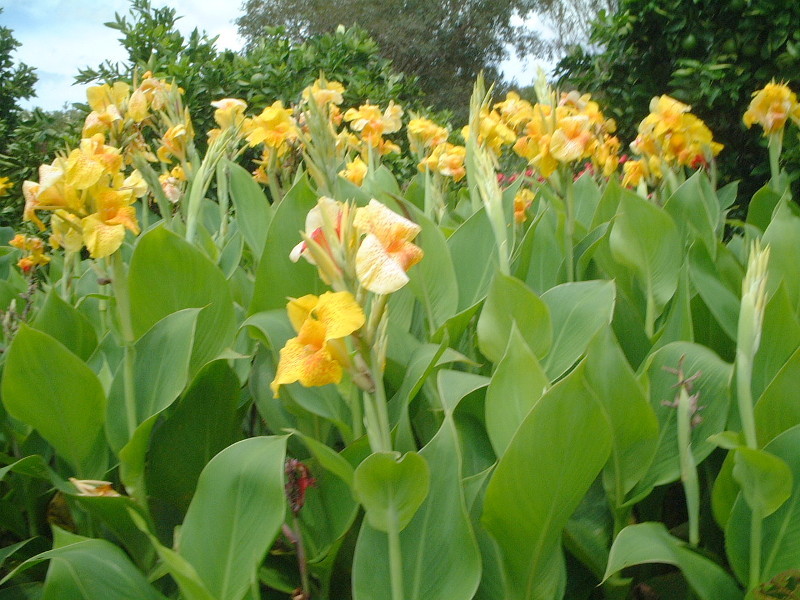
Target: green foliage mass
[445,43]
[275,68]
[16,83]
[710,54]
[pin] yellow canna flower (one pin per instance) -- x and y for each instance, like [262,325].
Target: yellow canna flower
[522,200]
[515,111]
[424,133]
[230,112]
[771,107]
[355,172]
[316,356]
[5,185]
[324,92]
[66,231]
[33,249]
[174,143]
[572,139]
[104,230]
[274,127]
[373,124]
[386,253]
[93,487]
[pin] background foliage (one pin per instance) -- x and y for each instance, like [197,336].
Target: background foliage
[710,54]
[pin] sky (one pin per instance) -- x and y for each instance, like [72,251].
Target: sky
[59,37]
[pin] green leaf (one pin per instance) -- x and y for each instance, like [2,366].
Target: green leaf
[784,257]
[761,207]
[712,385]
[473,238]
[253,211]
[52,390]
[778,409]
[278,277]
[433,279]
[780,543]
[651,543]
[511,301]
[719,298]
[235,515]
[517,384]
[765,479]
[67,325]
[167,274]
[645,239]
[160,372]
[780,339]
[204,422]
[550,464]
[633,422]
[440,555]
[93,569]
[391,488]
[694,213]
[578,310]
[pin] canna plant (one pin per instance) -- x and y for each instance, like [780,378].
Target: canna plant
[316,381]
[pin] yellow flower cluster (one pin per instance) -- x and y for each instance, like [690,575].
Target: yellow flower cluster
[771,107]
[572,131]
[670,136]
[372,125]
[33,252]
[90,196]
[5,185]
[369,248]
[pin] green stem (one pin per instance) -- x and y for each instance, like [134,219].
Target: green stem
[223,200]
[395,560]
[66,275]
[775,147]
[691,485]
[569,203]
[357,412]
[744,395]
[755,549]
[119,283]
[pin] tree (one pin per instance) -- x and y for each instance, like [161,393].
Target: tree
[711,54]
[16,83]
[445,43]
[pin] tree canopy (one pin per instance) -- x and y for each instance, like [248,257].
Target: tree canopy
[445,43]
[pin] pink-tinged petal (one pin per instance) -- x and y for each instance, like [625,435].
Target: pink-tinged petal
[376,269]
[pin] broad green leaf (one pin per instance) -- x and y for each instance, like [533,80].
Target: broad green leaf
[179,568]
[784,257]
[652,543]
[114,513]
[645,239]
[278,277]
[780,540]
[391,488]
[780,339]
[253,211]
[517,384]
[67,325]
[578,310]
[440,555]
[160,372]
[94,569]
[473,238]
[555,456]
[49,388]
[712,384]
[541,253]
[721,301]
[235,515]
[167,274]
[761,207]
[633,423]
[453,386]
[694,213]
[778,409]
[204,422]
[433,279]
[765,479]
[587,198]
[678,326]
[511,301]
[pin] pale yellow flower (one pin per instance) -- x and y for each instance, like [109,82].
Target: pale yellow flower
[386,253]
